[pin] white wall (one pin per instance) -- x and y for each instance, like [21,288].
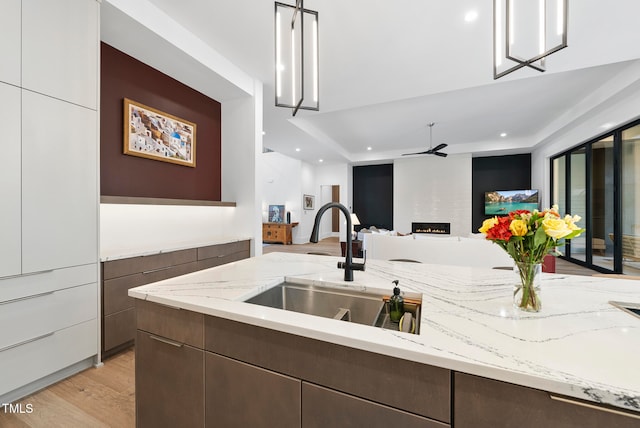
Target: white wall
[432,189]
[332,175]
[619,104]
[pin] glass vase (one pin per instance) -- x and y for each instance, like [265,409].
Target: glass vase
[526,295]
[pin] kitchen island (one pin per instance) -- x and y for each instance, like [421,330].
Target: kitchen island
[475,362]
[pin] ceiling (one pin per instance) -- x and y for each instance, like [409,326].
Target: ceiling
[387,69]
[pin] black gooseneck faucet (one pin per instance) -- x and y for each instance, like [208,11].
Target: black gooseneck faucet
[348,265]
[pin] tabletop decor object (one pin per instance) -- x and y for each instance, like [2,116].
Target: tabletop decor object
[528,236]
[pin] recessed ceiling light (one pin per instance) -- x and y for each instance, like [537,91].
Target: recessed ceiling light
[471,16]
[297,149]
[264,133]
[369,148]
[320,160]
[607,125]
[504,134]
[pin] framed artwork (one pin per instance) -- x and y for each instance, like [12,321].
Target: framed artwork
[152,134]
[276,213]
[308,202]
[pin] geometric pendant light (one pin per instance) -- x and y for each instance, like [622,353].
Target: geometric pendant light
[525,32]
[296,57]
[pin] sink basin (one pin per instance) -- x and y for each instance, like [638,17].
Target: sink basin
[359,307]
[630,308]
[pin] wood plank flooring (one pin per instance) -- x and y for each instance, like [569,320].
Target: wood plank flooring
[94,398]
[105,396]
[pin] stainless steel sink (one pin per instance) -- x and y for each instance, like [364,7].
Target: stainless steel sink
[358,307]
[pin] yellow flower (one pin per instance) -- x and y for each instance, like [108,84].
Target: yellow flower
[555,227]
[488,224]
[571,221]
[518,227]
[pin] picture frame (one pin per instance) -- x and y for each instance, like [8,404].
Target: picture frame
[276,214]
[154,134]
[308,202]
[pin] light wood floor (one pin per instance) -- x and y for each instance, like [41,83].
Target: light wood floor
[105,396]
[94,398]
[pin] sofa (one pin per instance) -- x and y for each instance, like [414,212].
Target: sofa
[447,250]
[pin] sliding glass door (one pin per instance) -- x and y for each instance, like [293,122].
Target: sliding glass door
[630,236]
[602,203]
[600,181]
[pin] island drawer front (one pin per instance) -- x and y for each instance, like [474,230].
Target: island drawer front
[356,372]
[250,396]
[148,264]
[115,297]
[322,407]
[222,250]
[169,384]
[488,403]
[172,323]
[119,328]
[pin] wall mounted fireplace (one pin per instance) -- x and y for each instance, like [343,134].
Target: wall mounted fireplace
[432,228]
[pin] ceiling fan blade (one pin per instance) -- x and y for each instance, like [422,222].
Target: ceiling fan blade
[444,155]
[428,152]
[439,147]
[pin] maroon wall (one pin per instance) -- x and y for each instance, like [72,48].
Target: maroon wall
[123,175]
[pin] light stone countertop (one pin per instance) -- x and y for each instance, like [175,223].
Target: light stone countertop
[109,254]
[579,345]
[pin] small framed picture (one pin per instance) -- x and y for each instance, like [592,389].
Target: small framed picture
[308,202]
[276,213]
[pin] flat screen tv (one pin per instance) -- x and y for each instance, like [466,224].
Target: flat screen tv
[501,202]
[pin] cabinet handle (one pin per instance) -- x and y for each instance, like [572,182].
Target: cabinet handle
[156,270]
[592,406]
[34,296]
[167,341]
[40,272]
[26,341]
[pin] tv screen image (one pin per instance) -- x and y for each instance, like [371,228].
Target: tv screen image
[501,202]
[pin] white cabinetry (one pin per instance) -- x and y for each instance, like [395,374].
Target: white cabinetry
[10,240]
[10,41]
[59,184]
[48,221]
[59,40]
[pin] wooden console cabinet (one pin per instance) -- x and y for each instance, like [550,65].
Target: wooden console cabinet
[277,232]
[118,276]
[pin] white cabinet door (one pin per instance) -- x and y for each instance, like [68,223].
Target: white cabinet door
[60,45]
[10,178]
[59,184]
[10,41]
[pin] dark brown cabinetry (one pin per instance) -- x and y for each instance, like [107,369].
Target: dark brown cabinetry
[245,375]
[487,403]
[249,396]
[118,276]
[169,367]
[323,407]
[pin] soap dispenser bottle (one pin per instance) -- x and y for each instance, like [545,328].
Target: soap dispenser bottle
[396,304]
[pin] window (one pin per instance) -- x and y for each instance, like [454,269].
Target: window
[600,181]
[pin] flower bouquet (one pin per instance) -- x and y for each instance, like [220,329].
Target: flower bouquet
[528,236]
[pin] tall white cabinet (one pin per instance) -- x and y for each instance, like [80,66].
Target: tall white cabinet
[48,221]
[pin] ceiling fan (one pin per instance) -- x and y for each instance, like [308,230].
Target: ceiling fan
[432,150]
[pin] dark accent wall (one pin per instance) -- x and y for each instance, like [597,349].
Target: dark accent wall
[373,195]
[122,175]
[497,173]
